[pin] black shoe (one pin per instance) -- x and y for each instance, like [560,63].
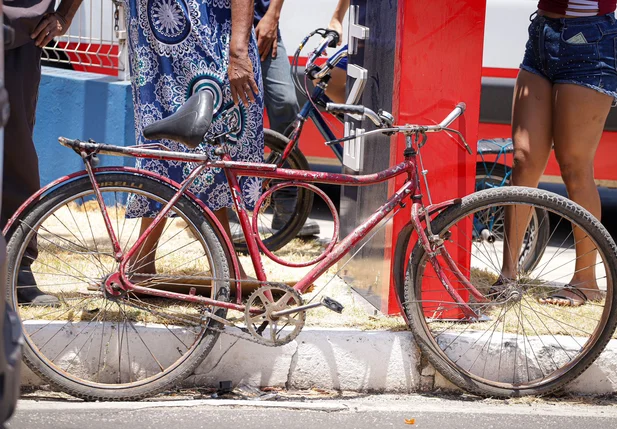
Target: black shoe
[29,293]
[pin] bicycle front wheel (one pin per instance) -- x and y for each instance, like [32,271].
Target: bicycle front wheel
[96,345]
[515,336]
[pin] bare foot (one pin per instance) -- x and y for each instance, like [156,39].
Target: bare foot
[574,294]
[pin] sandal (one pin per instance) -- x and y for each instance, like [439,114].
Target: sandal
[560,296]
[499,287]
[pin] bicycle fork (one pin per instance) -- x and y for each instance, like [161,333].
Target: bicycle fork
[434,246]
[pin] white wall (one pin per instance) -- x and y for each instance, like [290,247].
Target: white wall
[505,28]
[300,17]
[505,32]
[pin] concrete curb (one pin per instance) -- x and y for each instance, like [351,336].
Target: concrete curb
[348,359]
[26,405]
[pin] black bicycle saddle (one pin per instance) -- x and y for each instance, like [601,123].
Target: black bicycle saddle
[188,125]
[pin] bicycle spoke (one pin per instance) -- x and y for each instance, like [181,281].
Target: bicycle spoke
[516,340]
[102,342]
[159,245]
[91,230]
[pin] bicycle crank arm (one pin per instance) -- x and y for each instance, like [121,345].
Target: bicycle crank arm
[329,303]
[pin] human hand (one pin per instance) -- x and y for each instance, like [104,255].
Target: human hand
[267,36]
[242,78]
[337,26]
[52,25]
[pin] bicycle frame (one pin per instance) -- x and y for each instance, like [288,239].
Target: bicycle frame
[409,190]
[309,110]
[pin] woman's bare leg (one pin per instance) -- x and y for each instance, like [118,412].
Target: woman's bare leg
[579,116]
[337,85]
[532,136]
[144,260]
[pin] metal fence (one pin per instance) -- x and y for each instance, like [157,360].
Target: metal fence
[95,42]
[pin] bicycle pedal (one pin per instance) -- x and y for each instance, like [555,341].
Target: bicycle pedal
[331,304]
[262,327]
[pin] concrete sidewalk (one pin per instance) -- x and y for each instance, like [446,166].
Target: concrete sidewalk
[341,358]
[347,359]
[348,411]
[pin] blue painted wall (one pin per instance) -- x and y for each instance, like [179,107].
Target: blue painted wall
[83,106]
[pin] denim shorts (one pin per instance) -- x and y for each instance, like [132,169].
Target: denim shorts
[578,51]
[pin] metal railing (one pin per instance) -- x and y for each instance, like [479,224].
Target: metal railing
[95,42]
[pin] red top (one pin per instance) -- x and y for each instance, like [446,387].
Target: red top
[578,7]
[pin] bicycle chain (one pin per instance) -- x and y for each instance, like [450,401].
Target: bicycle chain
[227,322]
[116,15]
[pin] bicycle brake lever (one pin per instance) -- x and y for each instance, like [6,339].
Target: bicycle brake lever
[458,133]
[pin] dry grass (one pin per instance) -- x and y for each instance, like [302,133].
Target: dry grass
[75,268]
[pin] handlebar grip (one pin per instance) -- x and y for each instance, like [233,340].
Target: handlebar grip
[349,109]
[455,114]
[334,38]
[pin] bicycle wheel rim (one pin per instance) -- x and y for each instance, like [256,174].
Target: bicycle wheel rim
[296,208]
[447,362]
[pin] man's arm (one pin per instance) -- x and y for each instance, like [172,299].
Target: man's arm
[240,70]
[267,30]
[336,23]
[56,23]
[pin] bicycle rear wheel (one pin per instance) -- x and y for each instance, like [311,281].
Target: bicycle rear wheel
[91,344]
[516,344]
[288,209]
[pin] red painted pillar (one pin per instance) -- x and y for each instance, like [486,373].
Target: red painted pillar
[439,64]
[431,62]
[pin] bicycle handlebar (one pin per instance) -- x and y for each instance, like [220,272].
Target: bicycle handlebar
[352,109]
[348,109]
[385,126]
[330,39]
[365,112]
[458,111]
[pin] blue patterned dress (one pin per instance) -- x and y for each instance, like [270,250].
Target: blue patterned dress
[176,48]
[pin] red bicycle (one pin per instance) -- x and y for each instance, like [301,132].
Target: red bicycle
[119,333]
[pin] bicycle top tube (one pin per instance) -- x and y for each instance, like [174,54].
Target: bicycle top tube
[253,169]
[382,120]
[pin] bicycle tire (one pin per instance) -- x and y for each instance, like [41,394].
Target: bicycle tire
[41,364]
[412,305]
[277,143]
[533,251]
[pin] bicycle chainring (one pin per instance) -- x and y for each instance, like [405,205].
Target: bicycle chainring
[267,329]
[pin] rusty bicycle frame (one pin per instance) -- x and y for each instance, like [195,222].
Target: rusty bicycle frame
[119,282]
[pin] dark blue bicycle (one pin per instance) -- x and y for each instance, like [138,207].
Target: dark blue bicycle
[289,208]
[494,170]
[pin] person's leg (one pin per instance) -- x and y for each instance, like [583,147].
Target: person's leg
[279,92]
[282,107]
[578,122]
[337,85]
[144,260]
[21,164]
[532,137]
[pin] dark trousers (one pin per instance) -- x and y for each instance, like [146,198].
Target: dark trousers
[22,75]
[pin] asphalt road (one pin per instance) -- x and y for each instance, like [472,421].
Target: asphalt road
[409,411]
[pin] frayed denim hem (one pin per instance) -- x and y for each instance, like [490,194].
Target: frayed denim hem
[594,87]
[533,70]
